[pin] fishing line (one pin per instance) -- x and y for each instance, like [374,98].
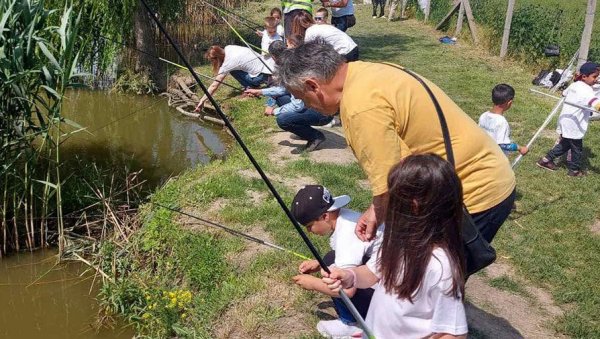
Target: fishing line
[129,114]
[232,231]
[249,45]
[244,21]
[262,174]
[171,62]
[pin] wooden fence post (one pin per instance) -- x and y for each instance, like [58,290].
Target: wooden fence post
[586,36]
[460,20]
[507,23]
[471,20]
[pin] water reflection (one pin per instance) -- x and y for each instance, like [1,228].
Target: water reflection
[138,132]
[43,300]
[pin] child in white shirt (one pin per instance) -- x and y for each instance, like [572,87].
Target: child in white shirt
[573,121]
[494,122]
[269,35]
[419,266]
[314,207]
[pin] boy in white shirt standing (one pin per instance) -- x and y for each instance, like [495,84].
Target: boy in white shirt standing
[573,121]
[494,122]
[314,207]
[269,34]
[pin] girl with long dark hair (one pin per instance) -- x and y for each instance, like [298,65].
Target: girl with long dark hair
[418,270]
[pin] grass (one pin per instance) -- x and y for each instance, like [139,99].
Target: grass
[547,239]
[506,283]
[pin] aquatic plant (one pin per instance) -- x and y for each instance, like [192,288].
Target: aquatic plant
[37,65]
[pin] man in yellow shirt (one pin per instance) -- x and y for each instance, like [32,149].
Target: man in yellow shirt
[387,115]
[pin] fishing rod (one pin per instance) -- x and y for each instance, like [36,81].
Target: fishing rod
[262,174]
[244,21]
[249,45]
[540,130]
[234,232]
[172,63]
[566,102]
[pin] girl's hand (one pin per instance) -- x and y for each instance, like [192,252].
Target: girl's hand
[269,110]
[338,279]
[309,266]
[259,33]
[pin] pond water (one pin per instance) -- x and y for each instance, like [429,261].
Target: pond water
[43,300]
[137,132]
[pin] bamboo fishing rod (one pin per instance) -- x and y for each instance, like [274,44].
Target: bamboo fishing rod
[172,63]
[262,174]
[244,21]
[232,231]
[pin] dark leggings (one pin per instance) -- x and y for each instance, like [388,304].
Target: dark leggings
[380,3]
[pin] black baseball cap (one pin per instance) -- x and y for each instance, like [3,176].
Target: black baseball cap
[313,200]
[589,68]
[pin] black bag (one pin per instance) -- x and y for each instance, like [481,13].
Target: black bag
[478,252]
[541,75]
[552,51]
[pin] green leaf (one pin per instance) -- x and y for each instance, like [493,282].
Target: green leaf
[52,92]
[48,54]
[49,184]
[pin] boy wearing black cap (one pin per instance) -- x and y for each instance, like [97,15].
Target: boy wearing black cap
[573,121]
[322,214]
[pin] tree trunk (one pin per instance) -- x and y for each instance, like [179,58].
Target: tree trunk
[143,30]
[586,36]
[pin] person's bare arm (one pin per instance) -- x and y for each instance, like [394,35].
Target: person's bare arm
[343,278]
[312,283]
[335,3]
[371,218]
[211,89]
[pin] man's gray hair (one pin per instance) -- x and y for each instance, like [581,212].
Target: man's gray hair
[315,59]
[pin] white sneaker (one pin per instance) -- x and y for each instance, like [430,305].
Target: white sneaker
[374,16]
[336,329]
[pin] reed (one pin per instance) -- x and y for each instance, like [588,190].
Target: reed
[38,66]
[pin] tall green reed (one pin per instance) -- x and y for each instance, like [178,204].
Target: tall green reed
[37,65]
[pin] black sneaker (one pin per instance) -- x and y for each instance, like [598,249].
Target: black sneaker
[546,164]
[313,144]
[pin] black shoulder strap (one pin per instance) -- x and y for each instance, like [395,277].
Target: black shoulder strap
[440,113]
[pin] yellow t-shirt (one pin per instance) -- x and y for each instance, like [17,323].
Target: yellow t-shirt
[388,115]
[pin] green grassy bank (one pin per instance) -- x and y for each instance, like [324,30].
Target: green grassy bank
[548,240]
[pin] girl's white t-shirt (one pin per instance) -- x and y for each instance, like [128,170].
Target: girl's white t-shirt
[573,121]
[238,58]
[341,42]
[432,311]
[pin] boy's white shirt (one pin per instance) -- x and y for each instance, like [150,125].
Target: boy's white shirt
[266,41]
[349,249]
[341,42]
[432,310]
[573,121]
[280,30]
[496,127]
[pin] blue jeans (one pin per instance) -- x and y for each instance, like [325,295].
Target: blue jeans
[247,81]
[361,299]
[300,123]
[341,22]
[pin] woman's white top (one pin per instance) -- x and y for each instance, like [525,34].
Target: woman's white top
[238,58]
[341,42]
